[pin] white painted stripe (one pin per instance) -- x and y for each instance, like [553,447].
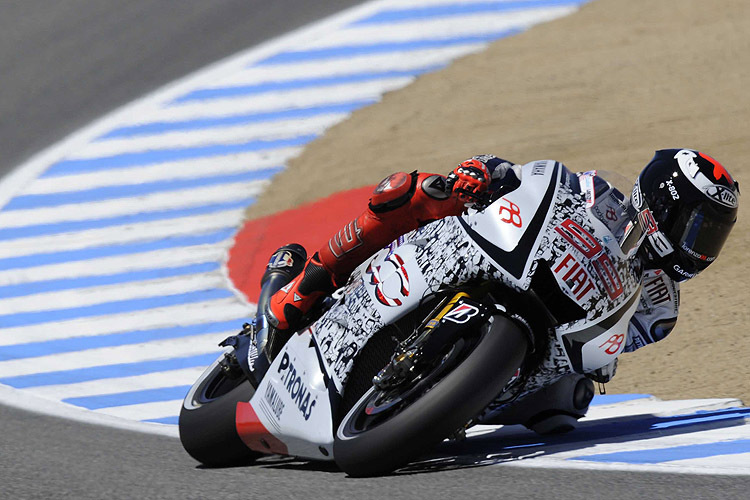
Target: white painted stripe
[654,441]
[172,257]
[132,353]
[658,407]
[406,4]
[183,169]
[146,411]
[212,136]
[165,200]
[399,61]
[450,27]
[162,317]
[80,297]
[26,401]
[737,463]
[542,462]
[123,234]
[186,376]
[274,101]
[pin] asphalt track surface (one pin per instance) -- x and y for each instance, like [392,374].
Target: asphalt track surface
[68,62]
[64,63]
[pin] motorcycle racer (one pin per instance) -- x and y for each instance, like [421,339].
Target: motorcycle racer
[685,204]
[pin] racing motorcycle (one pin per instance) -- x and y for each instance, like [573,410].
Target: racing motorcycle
[487,318]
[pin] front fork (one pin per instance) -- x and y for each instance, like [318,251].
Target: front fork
[452,319]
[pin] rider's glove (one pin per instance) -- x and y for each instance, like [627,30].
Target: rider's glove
[604,374]
[469,180]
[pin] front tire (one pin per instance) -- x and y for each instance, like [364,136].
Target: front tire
[207,421]
[363,447]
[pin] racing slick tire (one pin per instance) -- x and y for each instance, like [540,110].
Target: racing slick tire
[367,447]
[207,421]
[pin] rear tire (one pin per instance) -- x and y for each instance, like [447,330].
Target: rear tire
[207,422]
[448,405]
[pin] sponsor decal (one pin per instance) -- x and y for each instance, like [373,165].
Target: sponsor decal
[513,215]
[292,382]
[722,195]
[684,273]
[696,254]
[461,314]
[575,276]
[375,274]
[657,290]
[586,180]
[289,286]
[539,168]
[274,401]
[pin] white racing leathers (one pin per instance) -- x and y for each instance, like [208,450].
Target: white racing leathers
[657,311]
[659,303]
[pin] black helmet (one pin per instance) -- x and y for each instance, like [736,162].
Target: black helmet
[687,204]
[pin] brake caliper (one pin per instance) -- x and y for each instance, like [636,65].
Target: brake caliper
[459,316]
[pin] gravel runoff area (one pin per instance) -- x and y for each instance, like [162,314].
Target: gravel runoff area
[601,89]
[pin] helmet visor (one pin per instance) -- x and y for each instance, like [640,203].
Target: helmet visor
[701,233]
[633,235]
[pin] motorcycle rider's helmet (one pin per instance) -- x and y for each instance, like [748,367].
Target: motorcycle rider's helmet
[687,205]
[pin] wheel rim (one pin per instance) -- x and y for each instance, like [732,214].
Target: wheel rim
[213,385]
[376,407]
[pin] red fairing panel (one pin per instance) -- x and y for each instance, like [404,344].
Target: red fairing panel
[254,434]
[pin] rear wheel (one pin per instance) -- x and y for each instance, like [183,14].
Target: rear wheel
[383,430]
[207,420]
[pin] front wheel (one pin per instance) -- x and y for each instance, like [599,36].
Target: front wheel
[384,431]
[208,419]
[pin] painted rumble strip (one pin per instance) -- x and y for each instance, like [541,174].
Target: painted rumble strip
[113,295]
[112,242]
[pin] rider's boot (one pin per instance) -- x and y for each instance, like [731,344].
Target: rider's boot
[289,305]
[285,263]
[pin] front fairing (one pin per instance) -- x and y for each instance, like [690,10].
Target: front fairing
[548,219]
